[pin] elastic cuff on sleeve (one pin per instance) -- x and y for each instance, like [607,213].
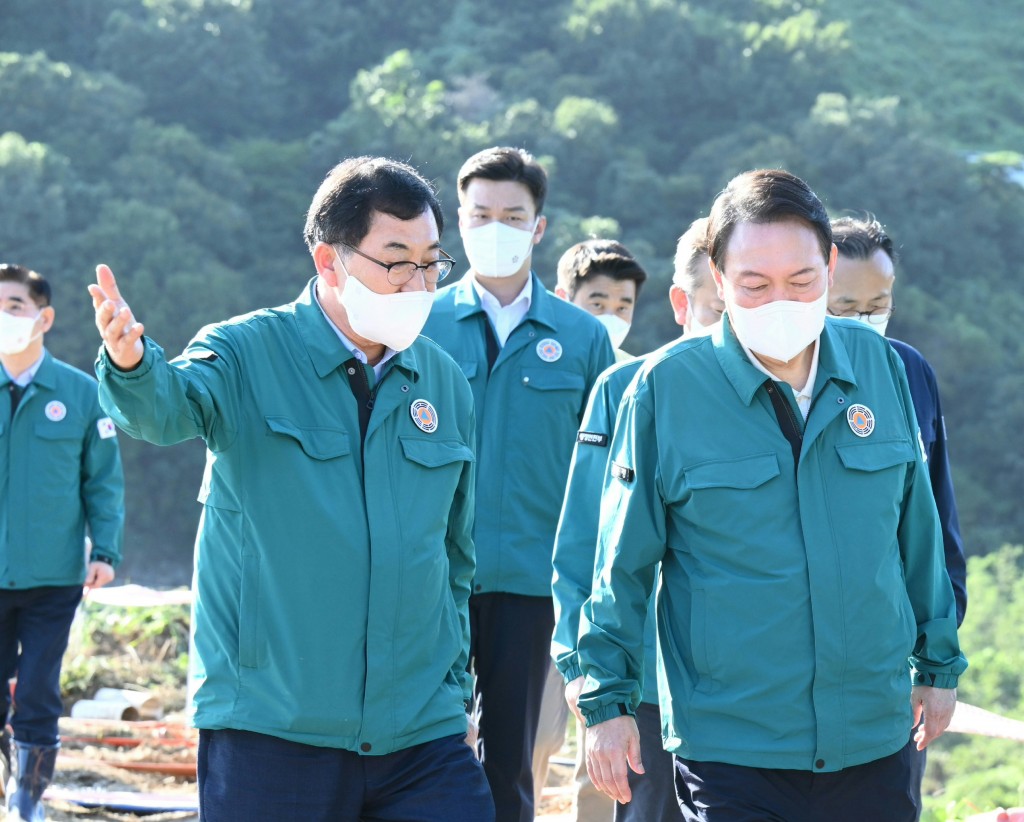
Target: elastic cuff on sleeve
[572,671]
[604,713]
[935,680]
[105,364]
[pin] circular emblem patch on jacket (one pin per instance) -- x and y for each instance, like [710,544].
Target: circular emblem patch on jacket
[861,419]
[424,415]
[56,411]
[549,350]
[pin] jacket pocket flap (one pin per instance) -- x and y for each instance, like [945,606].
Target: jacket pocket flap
[434,453]
[468,369]
[874,456]
[318,443]
[552,379]
[57,431]
[741,472]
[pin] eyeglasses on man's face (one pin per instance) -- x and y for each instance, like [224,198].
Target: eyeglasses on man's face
[401,272]
[876,316]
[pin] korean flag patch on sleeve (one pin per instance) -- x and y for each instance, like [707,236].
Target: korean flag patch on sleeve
[106,427]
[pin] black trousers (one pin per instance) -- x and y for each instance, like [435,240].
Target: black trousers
[39,621]
[509,650]
[247,777]
[878,791]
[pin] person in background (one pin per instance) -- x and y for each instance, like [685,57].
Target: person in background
[335,550]
[862,289]
[62,483]
[604,279]
[696,307]
[786,511]
[531,360]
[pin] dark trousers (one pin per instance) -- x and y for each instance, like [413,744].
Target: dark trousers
[918,762]
[716,792]
[247,776]
[39,621]
[510,647]
[654,793]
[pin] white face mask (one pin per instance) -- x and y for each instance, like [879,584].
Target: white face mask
[394,320]
[616,327]
[695,328]
[496,249]
[16,333]
[781,329]
[879,327]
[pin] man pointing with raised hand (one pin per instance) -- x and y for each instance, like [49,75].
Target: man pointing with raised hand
[335,549]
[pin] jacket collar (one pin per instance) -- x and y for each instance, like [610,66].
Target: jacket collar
[833,361]
[325,350]
[45,377]
[467,302]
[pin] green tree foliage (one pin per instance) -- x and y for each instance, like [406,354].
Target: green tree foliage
[181,140]
[968,774]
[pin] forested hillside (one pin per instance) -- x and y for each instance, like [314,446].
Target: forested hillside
[181,140]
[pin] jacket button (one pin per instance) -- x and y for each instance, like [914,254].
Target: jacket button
[475,587]
[351,371]
[526,380]
[365,747]
[819,764]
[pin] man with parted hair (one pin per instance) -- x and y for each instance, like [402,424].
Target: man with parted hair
[603,278]
[696,307]
[862,289]
[62,483]
[531,360]
[335,551]
[786,511]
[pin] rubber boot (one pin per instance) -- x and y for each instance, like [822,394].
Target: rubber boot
[5,761]
[35,770]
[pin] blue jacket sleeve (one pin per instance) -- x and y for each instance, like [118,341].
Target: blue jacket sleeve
[924,390]
[945,502]
[936,657]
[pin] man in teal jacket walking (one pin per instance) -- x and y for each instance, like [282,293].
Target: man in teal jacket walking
[696,307]
[335,550]
[61,479]
[530,359]
[805,617]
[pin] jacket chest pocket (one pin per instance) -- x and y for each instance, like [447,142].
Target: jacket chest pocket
[873,480]
[880,466]
[57,450]
[317,442]
[550,395]
[715,491]
[435,466]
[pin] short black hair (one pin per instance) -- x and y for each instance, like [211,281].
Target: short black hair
[506,163]
[38,287]
[597,258]
[858,238]
[691,269]
[765,196]
[354,190]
